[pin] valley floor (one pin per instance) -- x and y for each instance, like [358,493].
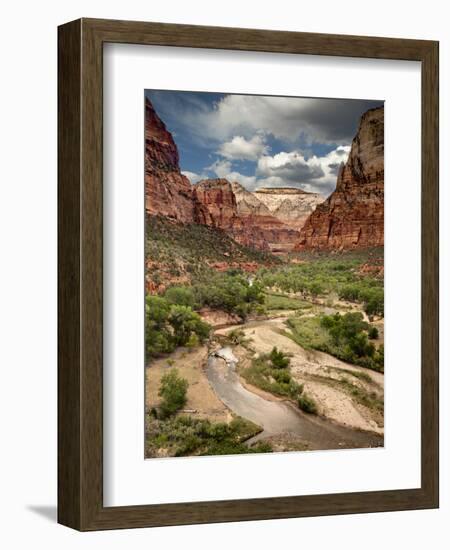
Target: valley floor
[349,398]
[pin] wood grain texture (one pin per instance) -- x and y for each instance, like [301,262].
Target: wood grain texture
[80,242]
[430,272]
[69,245]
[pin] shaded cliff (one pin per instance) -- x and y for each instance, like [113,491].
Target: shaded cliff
[216,206]
[353,215]
[167,191]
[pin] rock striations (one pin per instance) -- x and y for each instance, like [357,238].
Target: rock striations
[279,236]
[290,205]
[217,206]
[353,215]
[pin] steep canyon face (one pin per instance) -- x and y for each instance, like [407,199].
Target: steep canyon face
[274,219]
[215,203]
[216,206]
[230,207]
[167,192]
[289,205]
[280,234]
[353,215]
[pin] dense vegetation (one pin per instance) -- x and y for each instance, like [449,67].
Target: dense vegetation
[271,373]
[184,435]
[183,255]
[275,301]
[172,319]
[231,292]
[185,250]
[170,325]
[324,276]
[344,336]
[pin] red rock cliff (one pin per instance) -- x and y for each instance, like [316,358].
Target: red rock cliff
[353,215]
[280,237]
[216,206]
[290,205]
[167,191]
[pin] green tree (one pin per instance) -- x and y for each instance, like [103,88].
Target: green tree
[158,339]
[180,295]
[173,390]
[184,322]
[316,289]
[156,310]
[373,301]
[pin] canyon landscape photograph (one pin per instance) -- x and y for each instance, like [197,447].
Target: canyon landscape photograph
[264,274]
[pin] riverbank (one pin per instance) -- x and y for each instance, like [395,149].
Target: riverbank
[348,397]
[280,419]
[338,388]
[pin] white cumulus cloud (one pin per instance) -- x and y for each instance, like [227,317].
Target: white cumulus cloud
[313,120]
[223,169]
[193,177]
[315,173]
[240,148]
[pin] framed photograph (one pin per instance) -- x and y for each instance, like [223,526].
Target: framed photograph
[248,315]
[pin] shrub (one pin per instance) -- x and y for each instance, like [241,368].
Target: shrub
[173,391]
[193,341]
[307,404]
[373,301]
[184,435]
[279,359]
[316,288]
[264,375]
[237,337]
[282,376]
[373,333]
[379,358]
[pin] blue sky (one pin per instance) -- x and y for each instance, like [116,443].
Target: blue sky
[261,141]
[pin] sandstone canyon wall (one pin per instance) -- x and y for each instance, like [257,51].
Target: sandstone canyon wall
[280,236]
[353,215]
[290,205]
[216,206]
[167,192]
[215,203]
[277,220]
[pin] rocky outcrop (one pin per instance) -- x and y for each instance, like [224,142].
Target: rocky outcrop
[353,215]
[216,206]
[167,192]
[279,236]
[228,206]
[290,205]
[215,203]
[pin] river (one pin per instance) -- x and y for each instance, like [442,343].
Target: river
[278,417]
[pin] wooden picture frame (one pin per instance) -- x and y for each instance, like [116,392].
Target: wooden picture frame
[80,272]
